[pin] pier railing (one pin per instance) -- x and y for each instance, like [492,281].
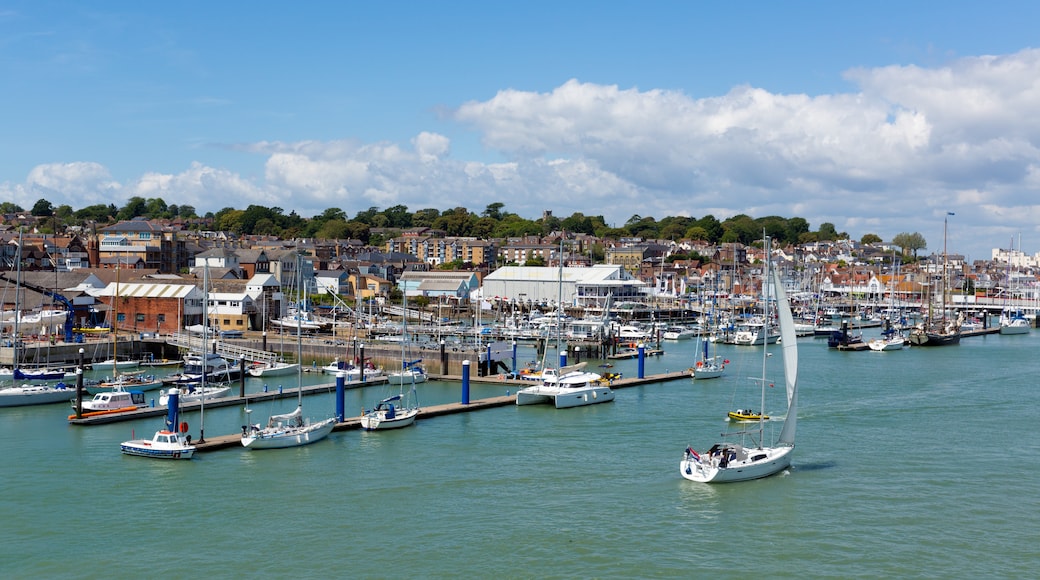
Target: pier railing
[225,349]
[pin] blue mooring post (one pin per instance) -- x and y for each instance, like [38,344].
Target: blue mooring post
[514,360]
[641,349]
[465,382]
[173,410]
[563,357]
[340,409]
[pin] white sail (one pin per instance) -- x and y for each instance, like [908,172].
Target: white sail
[790,351]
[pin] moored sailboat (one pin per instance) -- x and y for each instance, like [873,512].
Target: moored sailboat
[288,429]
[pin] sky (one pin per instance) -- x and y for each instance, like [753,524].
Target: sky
[879,117]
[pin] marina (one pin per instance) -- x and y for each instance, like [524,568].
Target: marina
[460,468]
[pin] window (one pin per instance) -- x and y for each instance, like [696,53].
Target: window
[160,318]
[121,317]
[140,318]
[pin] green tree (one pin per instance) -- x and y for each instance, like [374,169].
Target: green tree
[42,208]
[155,208]
[7,207]
[713,226]
[424,218]
[134,207]
[334,229]
[870,239]
[493,210]
[827,232]
[910,242]
[398,217]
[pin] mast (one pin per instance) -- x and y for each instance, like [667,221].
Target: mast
[765,343]
[299,333]
[945,273]
[205,353]
[17,304]
[559,308]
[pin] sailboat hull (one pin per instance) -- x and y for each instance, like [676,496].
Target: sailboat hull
[378,421]
[292,437]
[25,395]
[923,338]
[758,464]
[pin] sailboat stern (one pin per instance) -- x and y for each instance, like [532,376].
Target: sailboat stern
[730,464]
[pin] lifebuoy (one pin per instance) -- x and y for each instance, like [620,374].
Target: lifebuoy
[184,427]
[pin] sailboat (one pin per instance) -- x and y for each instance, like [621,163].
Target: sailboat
[289,429]
[709,367]
[727,461]
[273,368]
[938,331]
[890,338]
[29,394]
[567,386]
[386,415]
[1012,321]
[411,370]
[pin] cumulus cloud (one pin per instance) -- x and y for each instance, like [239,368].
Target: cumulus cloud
[907,145]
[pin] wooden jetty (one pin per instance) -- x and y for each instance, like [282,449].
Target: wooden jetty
[351,423]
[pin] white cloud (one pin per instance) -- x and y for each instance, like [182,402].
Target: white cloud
[910,144]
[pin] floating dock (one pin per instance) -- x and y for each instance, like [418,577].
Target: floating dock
[351,423]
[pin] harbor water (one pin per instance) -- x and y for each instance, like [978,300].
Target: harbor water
[912,463]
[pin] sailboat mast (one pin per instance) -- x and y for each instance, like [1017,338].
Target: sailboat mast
[205,352]
[17,304]
[299,331]
[765,343]
[559,307]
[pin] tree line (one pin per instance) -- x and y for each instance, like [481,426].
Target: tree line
[374,225]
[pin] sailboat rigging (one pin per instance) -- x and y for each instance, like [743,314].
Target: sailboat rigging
[939,331]
[1011,320]
[289,429]
[565,386]
[28,394]
[728,461]
[387,415]
[709,367]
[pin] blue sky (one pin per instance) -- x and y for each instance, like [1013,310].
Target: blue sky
[877,117]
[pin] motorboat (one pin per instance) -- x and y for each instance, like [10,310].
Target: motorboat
[114,402]
[746,415]
[163,445]
[678,333]
[216,368]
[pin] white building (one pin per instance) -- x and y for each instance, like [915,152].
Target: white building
[579,286]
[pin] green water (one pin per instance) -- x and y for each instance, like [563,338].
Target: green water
[914,463]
